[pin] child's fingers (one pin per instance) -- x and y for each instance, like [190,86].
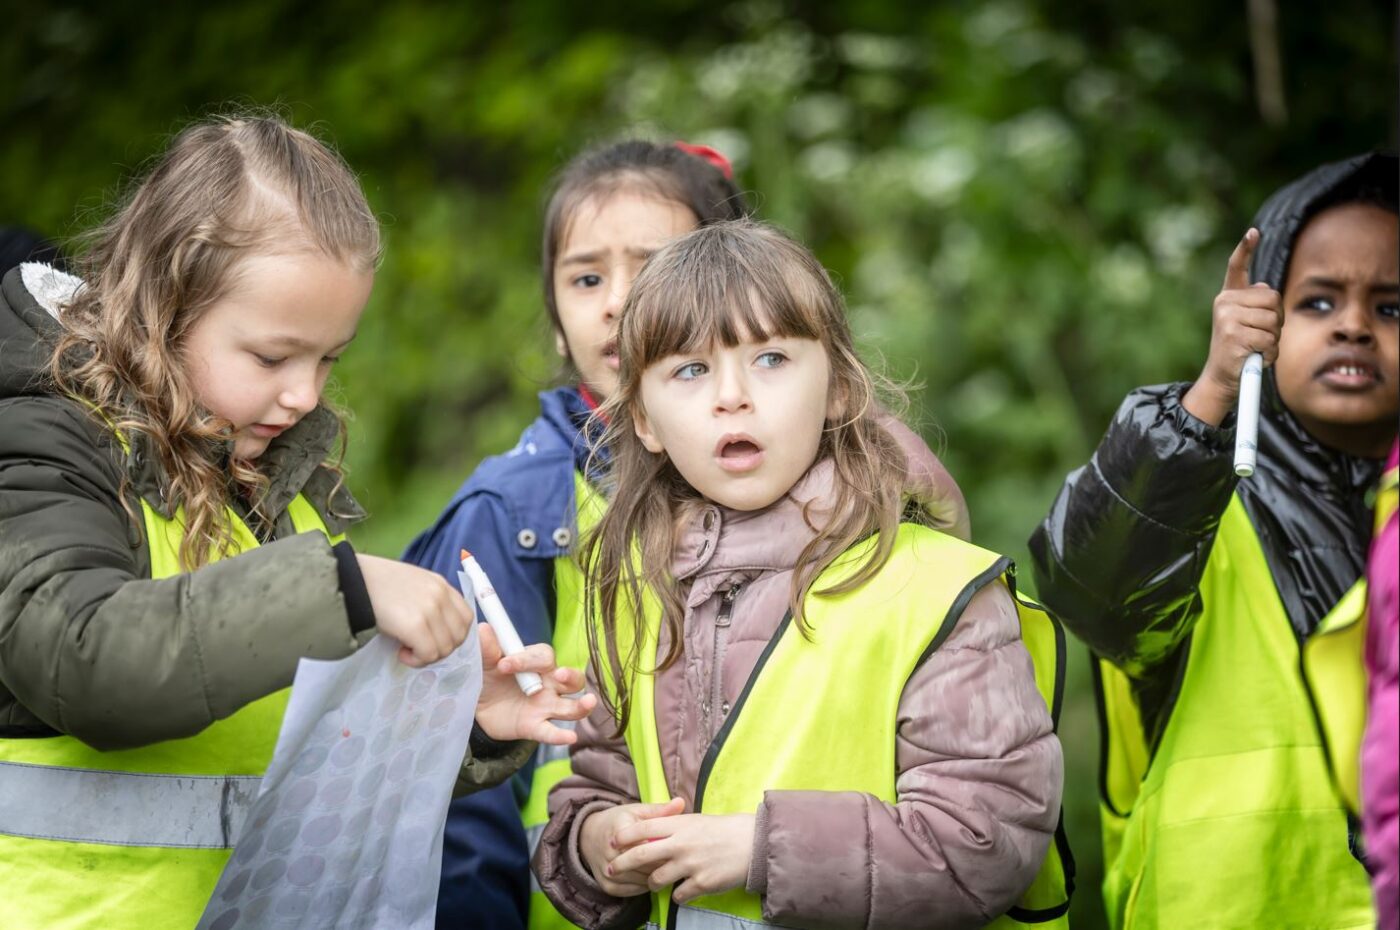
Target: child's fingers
[546,732]
[674,873]
[537,657]
[642,858]
[640,811]
[1237,269]
[643,832]
[551,735]
[570,680]
[573,708]
[1257,295]
[490,646]
[670,808]
[1253,337]
[460,618]
[440,643]
[423,644]
[625,886]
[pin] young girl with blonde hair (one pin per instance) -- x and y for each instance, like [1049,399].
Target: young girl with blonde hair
[819,709]
[171,521]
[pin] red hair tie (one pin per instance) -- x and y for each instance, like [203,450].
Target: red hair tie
[709,155]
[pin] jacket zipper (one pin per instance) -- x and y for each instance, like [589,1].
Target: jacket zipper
[722,622]
[707,764]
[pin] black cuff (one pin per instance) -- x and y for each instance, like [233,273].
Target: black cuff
[483,746]
[358,609]
[1215,438]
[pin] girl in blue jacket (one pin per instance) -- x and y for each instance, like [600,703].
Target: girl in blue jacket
[612,207]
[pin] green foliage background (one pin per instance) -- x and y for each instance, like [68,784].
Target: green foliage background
[1029,205]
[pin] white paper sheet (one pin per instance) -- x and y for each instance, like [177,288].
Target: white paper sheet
[346,831]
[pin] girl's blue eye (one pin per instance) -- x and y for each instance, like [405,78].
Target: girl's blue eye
[690,371]
[770,360]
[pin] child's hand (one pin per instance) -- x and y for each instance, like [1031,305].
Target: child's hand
[417,607]
[505,713]
[1247,318]
[599,847]
[698,853]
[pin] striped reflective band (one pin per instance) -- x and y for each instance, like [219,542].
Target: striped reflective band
[548,753]
[699,918]
[123,808]
[532,838]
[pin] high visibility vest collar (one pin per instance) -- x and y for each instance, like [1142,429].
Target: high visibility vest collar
[756,751]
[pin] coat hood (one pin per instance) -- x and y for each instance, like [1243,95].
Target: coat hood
[30,295]
[1279,221]
[1285,213]
[1307,500]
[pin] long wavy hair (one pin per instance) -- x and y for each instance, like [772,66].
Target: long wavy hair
[723,284]
[227,188]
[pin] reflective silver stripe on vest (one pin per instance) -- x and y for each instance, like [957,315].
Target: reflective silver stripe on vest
[123,808]
[532,838]
[698,918]
[548,753]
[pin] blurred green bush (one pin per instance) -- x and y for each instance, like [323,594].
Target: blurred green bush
[1028,205]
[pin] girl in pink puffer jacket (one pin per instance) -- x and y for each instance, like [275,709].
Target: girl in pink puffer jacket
[1380,772]
[910,774]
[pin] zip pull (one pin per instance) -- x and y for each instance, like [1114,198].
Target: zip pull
[726,606]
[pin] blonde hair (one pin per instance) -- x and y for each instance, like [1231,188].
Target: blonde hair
[227,188]
[722,284]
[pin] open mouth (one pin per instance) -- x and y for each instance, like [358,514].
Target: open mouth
[1349,374]
[610,356]
[268,430]
[737,452]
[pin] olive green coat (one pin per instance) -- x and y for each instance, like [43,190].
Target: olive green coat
[90,645]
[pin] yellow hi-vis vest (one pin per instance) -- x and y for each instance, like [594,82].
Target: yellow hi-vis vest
[570,649]
[795,714]
[1238,818]
[133,839]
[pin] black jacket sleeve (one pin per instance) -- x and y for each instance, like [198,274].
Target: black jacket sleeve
[1120,556]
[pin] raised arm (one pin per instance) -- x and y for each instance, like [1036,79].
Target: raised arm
[1119,558]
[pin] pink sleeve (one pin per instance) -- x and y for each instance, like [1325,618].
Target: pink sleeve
[1380,769]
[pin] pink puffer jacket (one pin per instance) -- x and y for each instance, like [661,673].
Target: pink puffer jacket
[1380,770]
[979,778]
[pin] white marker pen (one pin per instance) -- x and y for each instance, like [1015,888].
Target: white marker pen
[472,579]
[1247,420]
